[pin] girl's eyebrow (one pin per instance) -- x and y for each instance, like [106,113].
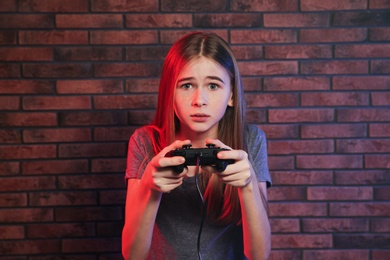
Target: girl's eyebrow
[208,77]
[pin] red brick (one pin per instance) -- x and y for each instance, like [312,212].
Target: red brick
[286,194]
[247,52]
[123,37]
[26,87]
[53,37]
[361,209]
[255,116]
[334,99]
[263,36]
[333,130]
[301,241]
[28,119]
[97,181]
[50,6]
[89,21]
[46,167]
[146,53]
[9,168]
[300,115]
[363,146]
[27,183]
[264,6]
[89,86]
[105,134]
[91,150]
[27,151]
[362,51]
[318,5]
[361,82]
[285,225]
[380,254]
[380,67]
[56,103]
[13,200]
[339,193]
[26,215]
[9,6]
[110,229]
[59,230]
[296,83]
[92,118]
[280,131]
[56,135]
[88,54]
[253,68]
[149,85]
[379,34]
[227,20]
[271,100]
[379,130]
[8,37]
[334,67]
[125,101]
[285,254]
[127,70]
[309,177]
[380,225]
[298,52]
[296,20]
[62,198]
[26,54]
[12,232]
[295,209]
[108,165]
[9,103]
[49,70]
[280,162]
[363,115]
[331,161]
[336,254]
[124,6]
[28,247]
[191,6]
[66,214]
[92,245]
[380,99]
[329,225]
[333,35]
[379,4]
[300,146]
[382,193]
[25,21]
[362,241]
[158,20]
[362,177]
[379,161]
[112,197]
[363,18]
[171,36]
[139,118]
[9,70]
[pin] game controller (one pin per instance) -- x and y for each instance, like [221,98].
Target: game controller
[207,156]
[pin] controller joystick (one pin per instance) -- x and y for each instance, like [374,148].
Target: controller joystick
[207,156]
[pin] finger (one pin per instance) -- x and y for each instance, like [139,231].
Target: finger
[217,143]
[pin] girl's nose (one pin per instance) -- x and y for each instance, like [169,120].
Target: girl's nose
[199,99]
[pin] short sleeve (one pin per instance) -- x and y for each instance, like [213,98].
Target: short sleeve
[257,151]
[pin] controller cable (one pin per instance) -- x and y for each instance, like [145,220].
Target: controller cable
[203,204]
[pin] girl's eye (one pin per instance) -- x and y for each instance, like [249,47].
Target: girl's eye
[213,86]
[186,86]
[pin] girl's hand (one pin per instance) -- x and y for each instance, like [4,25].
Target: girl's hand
[159,173]
[238,174]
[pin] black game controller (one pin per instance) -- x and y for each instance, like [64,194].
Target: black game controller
[207,156]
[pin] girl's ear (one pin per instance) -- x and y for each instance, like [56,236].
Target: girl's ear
[230,102]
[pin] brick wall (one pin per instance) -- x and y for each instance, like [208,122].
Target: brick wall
[77,77]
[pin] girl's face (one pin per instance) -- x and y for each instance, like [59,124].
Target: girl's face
[202,94]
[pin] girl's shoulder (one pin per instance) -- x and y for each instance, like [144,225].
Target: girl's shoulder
[255,133]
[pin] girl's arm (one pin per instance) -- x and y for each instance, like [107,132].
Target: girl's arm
[143,200]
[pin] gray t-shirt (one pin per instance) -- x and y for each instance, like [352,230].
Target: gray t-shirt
[179,216]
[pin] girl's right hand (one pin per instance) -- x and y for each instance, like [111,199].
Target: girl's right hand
[159,174]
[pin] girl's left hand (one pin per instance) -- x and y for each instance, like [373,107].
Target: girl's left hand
[238,174]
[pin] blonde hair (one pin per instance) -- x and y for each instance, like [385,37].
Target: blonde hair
[222,200]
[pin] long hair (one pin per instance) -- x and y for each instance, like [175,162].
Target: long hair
[222,200]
